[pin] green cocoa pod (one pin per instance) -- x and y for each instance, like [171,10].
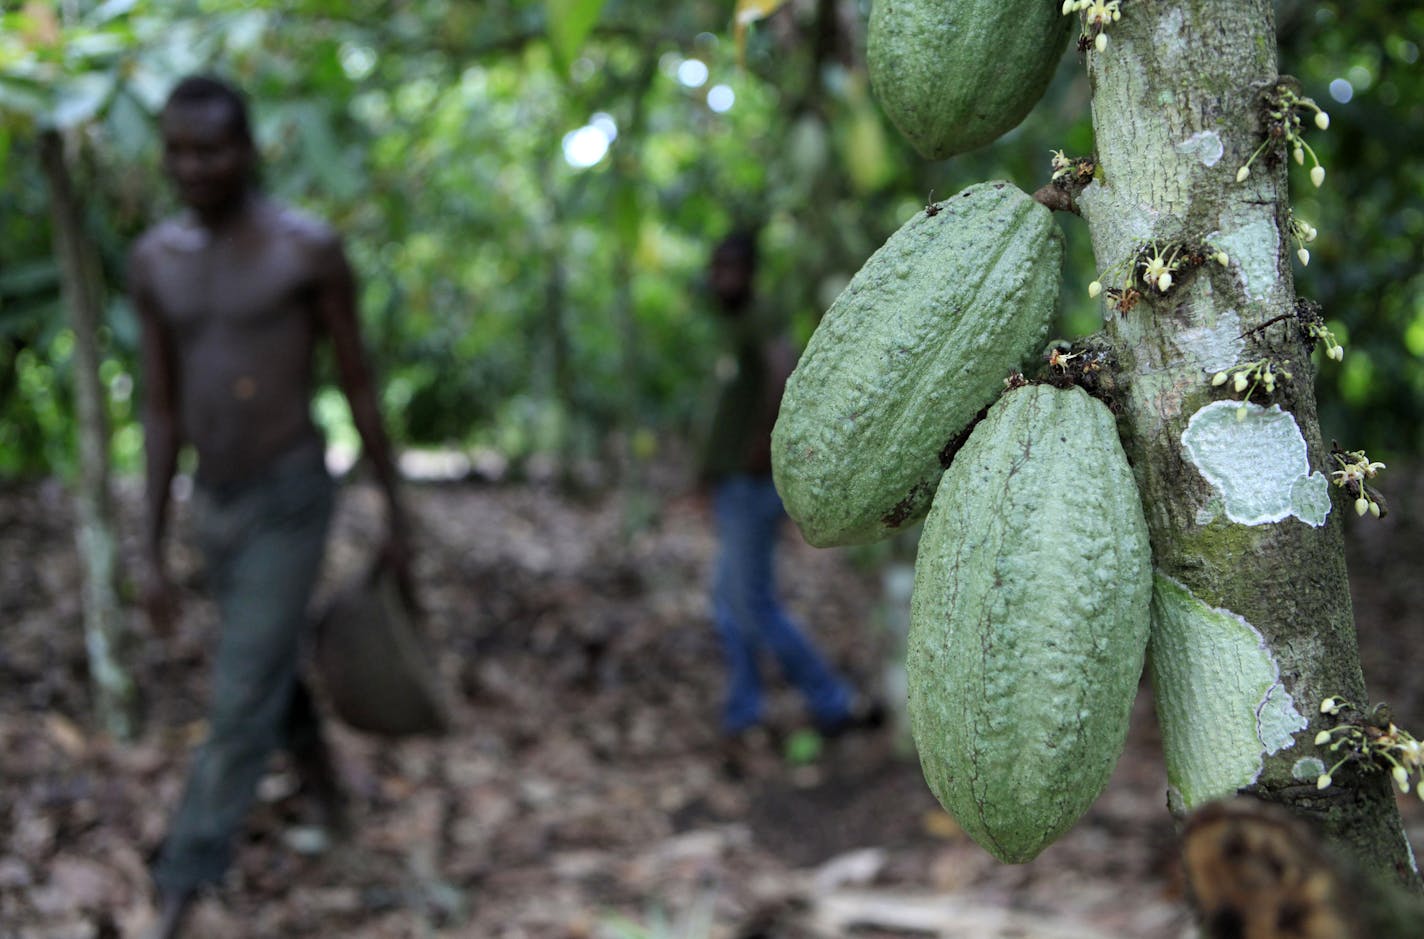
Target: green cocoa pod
[1029,620]
[956,74]
[917,344]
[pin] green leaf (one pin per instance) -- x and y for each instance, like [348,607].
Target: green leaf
[22,97]
[803,747]
[80,98]
[568,23]
[79,46]
[28,277]
[112,10]
[150,84]
[128,126]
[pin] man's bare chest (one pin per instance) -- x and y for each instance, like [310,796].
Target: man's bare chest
[233,288]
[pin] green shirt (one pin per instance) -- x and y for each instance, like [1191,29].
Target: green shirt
[739,440]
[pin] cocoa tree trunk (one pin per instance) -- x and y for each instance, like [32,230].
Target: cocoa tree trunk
[1252,618]
[115,694]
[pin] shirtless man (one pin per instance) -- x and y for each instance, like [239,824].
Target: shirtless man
[235,295]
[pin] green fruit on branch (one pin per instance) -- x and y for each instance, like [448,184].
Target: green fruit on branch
[910,352]
[1029,620]
[954,75]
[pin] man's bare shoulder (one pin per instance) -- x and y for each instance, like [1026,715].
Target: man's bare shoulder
[171,235]
[163,234]
[301,229]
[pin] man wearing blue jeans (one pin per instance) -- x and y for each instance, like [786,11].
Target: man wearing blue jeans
[748,513]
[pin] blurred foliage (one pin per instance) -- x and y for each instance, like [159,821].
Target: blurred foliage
[1360,61]
[530,188]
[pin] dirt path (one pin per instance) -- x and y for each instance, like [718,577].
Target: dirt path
[584,793]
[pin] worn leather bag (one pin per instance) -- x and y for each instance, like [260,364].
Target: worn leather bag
[370,663]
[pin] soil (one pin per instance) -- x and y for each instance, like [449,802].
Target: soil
[584,791]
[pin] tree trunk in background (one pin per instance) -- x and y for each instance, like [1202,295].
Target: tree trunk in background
[115,694]
[1252,618]
[639,505]
[552,349]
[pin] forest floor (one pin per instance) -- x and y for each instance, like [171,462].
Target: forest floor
[583,792]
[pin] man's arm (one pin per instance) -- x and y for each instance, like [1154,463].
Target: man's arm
[161,440]
[778,359]
[780,363]
[336,306]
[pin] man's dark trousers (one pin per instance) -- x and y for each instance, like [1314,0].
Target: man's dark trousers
[262,540]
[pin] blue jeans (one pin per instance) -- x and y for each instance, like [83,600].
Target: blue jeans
[748,512]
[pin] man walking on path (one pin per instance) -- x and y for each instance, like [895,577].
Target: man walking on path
[748,512]
[234,295]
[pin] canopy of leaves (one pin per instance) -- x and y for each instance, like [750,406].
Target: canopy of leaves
[530,188]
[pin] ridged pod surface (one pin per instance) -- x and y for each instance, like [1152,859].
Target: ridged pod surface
[917,344]
[1029,620]
[956,74]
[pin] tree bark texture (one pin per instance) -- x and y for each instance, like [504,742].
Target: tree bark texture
[115,694]
[1252,619]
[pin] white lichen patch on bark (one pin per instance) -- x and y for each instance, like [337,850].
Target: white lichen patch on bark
[1254,250]
[1169,40]
[1220,700]
[1310,499]
[1215,347]
[1133,224]
[1205,145]
[1307,768]
[1257,464]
